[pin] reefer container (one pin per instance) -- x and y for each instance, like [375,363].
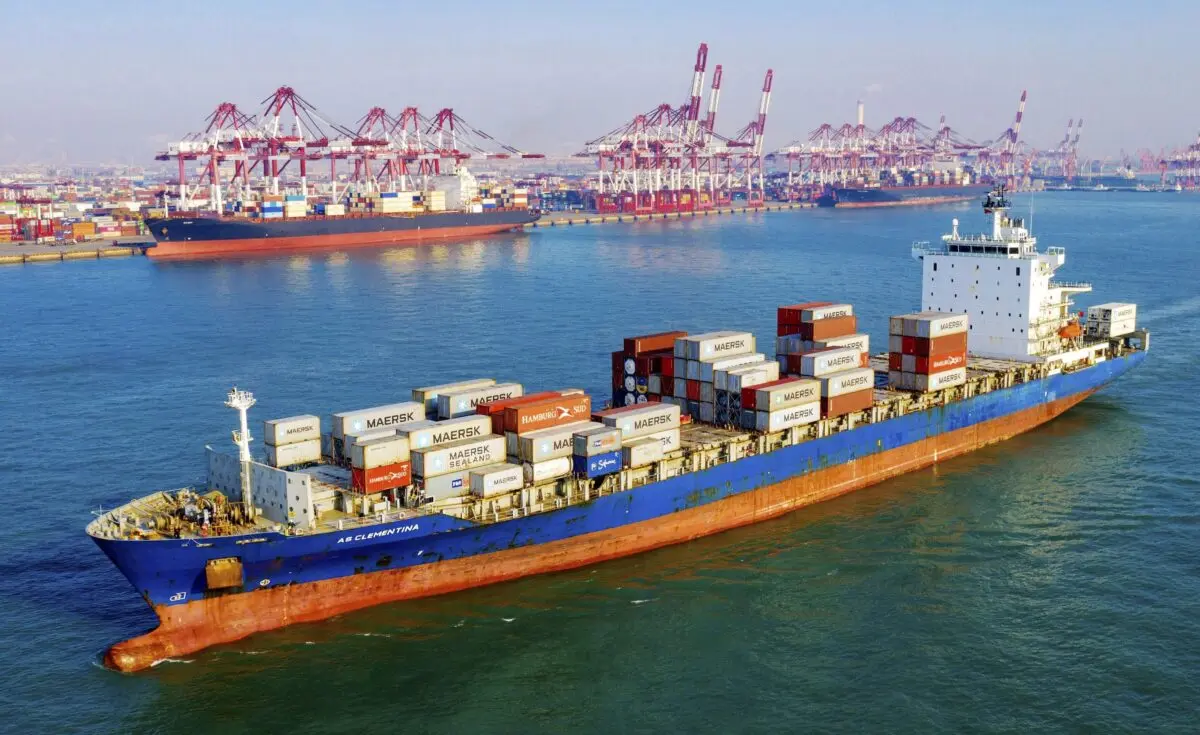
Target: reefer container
[836,326]
[552,443]
[452,404]
[379,479]
[824,362]
[860,342]
[429,394]
[496,409]
[547,413]
[1111,312]
[599,439]
[711,345]
[935,324]
[927,383]
[439,433]
[706,370]
[290,455]
[847,381]
[641,452]
[379,452]
[783,393]
[380,417]
[738,379]
[292,429]
[597,465]
[791,314]
[543,471]
[643,420]
[834,406]
[1107,330]
[459,456]
[669,439]
[786,418]
[357,437]
[496,479]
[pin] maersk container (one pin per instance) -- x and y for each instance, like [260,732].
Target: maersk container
[459,456]
[461,403]
[830,311]
[860,342]
[737,379]
[367,455]
[789,344]
[824,362]
[643,420]
[552,443]
[927,383]
[598,439]
[597,465]
[935,324]
[496,479]
[451,485]
[439,433]
[1111,312]
[786,418]
[292,429]
[550,470]
[290,455]
[780,394]
[642,452]
[712,345]
[358,437]
[1108,330]
[429,394]
[380,417]
[669,439]
[847,381]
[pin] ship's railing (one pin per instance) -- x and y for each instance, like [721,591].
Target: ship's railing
[1077,285]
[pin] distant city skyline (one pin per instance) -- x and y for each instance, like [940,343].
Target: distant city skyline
[549,77]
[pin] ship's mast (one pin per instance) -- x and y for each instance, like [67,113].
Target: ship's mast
[241,401]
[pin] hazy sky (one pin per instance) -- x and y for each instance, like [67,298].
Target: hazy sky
[112,81]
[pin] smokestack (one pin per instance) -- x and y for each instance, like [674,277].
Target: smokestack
[860,113]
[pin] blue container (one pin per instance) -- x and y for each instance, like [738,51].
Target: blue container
[388,195]
[291,198]
[598,465]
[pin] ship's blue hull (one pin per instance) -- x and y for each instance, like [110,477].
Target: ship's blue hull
[172,572]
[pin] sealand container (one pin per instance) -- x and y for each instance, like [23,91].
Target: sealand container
[847,381]
[451,485]
[452,404]
[459,456]
[544,471]
[597,465]
[292,429]
[550,412]
[379,479]
[935,364]
[429,394]
[827,311]
[496,479]
[711,345]
[380,417]
[830,360]
[785,418]
[290,455]
[367,455]
[643,420]
[552,443]
[822,329]
[450,431]
[596,440]
[834,406]
[635,346]
[782,393]
[641,452]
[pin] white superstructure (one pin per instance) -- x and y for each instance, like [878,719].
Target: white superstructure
[1003,283]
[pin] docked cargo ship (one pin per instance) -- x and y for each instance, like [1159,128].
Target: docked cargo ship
[896,196]
[477,482]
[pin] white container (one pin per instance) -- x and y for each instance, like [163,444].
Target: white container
[706,369]
[429,394]
[711,345]
[374,453]
[785,395]
[1108,330]
[936,324]
[380,417]
[669,439]
[452,485]
[734,381]
[358,437]
[1111,312]
[927,383]
[457,457]
[440,433]
[641,452]
[598,439]
[860,342]
[819,364]
[847,381]
[288,455]
[644,420]
[786,418]
[497,479]
[552,443]
[291,430]
[452,404]
[830,311]
[543,471]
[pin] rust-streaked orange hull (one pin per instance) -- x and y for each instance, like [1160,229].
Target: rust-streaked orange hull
[188,628]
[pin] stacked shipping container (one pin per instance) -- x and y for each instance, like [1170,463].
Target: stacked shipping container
[819,340]
[927,351]
[293,441]
[1107,321]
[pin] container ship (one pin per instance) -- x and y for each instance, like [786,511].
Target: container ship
[276,223]
[480,481]
[879,195]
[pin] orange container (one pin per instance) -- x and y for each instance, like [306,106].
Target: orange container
[547,413]
[846,403]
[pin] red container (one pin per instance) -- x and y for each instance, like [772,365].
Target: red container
[382,478]
[895,361]
[791,314]
[693,390]
[667,369]
[652,342]
[909,345]
[618,363]
[864,359]
[941,363]
[847,403]
[784,330]
[793,364]
[547,413]
[945,345]
[837,326]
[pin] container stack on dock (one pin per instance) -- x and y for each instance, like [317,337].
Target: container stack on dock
[1107,321]
[819,340]
[293,441]
[927,351]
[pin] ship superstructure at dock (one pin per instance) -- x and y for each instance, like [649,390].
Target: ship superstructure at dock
[465,483]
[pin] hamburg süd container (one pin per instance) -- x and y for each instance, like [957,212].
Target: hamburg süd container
[459,456]
[935,364]
[641,452]
[597,440]
[597,465]
[379,479]
[782,393]
[549,470]
[552,443]
[496,479]
[464,402]
[496,409]
[292,429]
[786,418]
[711,345]
[847,381]
[380,417]
[290,455]
[379,452]
[439,433]
[550,412]
[429,394]
[643,420]
[823,362]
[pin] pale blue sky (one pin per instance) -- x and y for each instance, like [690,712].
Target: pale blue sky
[110,81]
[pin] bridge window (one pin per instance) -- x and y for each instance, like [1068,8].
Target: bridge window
[935,268]
[1018,267]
